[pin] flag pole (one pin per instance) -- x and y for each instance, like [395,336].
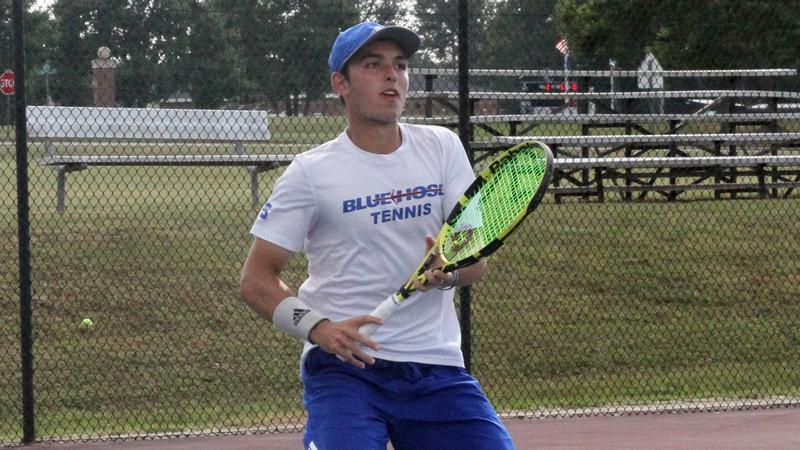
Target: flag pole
[562,47]
[566,77]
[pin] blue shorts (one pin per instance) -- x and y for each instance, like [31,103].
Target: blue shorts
[416,406]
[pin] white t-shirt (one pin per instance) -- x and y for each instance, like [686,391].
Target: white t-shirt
[361,220]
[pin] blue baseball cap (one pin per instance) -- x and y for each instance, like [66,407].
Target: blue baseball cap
[353,39]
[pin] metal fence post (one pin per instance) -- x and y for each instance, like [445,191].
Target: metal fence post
[465,294]
[23,228]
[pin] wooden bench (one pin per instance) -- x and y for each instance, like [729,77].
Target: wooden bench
[60,127]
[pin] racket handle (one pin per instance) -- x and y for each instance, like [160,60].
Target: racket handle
[382,311]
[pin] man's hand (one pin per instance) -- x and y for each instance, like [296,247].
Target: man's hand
[435,277]
[344,340]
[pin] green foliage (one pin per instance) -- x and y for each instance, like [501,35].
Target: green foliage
[305,44]
[145,36]
[683,34]
[598,30]
[216,51]
[438,27]
[210,64]
[520,35]
[72,51]
[730,34]
[37,35]
[266,52]
[390,12]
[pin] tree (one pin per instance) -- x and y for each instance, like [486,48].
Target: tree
[209,64]
[684,34]
[71,55]
[438,28]
[718,34]
[145,35]
[387,12]
[252,34]
[608,29]
[38,34]
[521,35]
[310,28]
[151,38]
[282,46]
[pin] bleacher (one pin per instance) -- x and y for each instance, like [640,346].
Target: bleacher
[738,114]
[729,119]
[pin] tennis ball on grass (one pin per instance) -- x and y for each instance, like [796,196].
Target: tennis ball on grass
[86,325]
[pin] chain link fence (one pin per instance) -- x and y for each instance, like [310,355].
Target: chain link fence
[662,271]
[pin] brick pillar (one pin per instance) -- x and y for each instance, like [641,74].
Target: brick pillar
[104,84]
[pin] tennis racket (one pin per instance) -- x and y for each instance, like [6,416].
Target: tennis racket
[491,208]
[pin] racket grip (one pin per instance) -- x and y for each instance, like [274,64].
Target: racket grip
[382,311]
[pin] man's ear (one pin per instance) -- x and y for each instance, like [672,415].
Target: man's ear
[339,83]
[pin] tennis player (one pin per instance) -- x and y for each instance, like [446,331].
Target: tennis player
[363,208]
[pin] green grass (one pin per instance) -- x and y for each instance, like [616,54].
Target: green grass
[154,261]
[625,303]
[589,304]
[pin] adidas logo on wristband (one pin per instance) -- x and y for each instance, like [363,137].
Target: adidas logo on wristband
[295,317]
[298,314]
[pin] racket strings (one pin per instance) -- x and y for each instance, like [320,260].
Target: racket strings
[497,206]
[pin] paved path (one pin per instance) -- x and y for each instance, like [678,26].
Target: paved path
[768,429]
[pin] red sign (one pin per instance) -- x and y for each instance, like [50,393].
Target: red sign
[548,87]
[7,85]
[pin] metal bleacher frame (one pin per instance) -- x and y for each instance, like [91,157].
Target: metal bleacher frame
[641,144]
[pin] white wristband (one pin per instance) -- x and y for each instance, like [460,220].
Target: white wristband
[296,318]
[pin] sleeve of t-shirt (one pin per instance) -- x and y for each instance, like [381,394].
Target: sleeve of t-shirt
[458,173]
[286,217]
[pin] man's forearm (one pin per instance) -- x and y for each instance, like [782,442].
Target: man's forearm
[470,274]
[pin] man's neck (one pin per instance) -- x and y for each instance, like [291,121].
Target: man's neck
[379,139]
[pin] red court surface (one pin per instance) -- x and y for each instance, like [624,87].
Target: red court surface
[756,429]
